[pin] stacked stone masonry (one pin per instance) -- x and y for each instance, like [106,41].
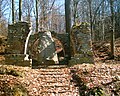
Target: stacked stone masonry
[51,82]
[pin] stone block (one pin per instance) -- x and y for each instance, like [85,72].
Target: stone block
[82,44]
[16,59]
[17,34]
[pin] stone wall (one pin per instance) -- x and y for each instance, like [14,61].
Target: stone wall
[17,34]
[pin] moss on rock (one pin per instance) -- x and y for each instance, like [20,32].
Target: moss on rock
[10,71]
[19,90]
[7,89]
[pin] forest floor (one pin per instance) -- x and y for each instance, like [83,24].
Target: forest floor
[99,79]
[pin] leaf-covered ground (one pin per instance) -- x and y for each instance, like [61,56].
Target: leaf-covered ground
[103,76]
[86,79]
[25,81]
[99,79]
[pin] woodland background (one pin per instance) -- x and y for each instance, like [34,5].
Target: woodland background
[103,17]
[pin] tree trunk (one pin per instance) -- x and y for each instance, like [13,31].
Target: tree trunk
[28,17]
[36,15]
[68,24]
[103,24]
[75,3]
[44,15]
[0,9]
[112,27]
[13,13]
[20,9]
[91,22]
[117,23]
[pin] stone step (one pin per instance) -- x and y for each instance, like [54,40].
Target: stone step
[54,76]
[57,66]
[54,73]
[56,88]
[54,66]
[56,92]
[59,71]
[54,81]
[59,94]
[55,85]
[54,70]
[51,79]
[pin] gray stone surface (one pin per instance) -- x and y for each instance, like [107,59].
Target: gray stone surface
[45,48]
[82,44]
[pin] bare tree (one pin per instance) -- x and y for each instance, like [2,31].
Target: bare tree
[44,9]
[75,4]
[28,6]
[91,18]
[1,8]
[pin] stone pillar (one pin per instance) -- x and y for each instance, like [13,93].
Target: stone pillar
[82,44]
[17,34]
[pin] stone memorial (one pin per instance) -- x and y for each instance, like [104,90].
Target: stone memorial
[44,50]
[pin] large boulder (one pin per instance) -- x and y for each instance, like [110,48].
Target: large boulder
[81,44]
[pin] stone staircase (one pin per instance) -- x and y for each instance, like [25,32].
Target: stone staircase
[53,82]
